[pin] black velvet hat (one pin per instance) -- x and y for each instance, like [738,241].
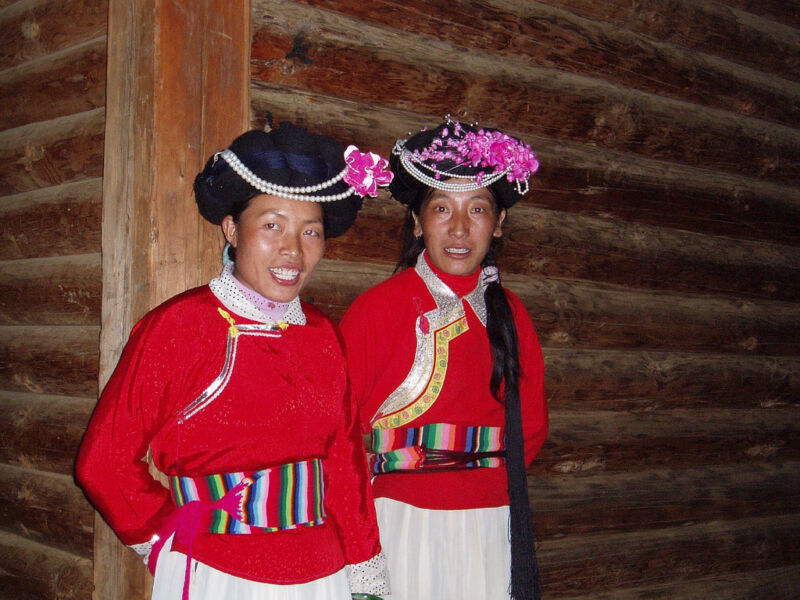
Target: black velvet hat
[458,155]
[287,156]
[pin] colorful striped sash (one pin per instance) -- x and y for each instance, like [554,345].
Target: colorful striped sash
[437,446]
[283,497]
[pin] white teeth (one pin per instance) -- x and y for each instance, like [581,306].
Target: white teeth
[457,250]
[285,274]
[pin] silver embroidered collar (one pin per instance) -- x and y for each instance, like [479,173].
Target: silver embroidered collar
[449,308]
[226,290]
[446,299]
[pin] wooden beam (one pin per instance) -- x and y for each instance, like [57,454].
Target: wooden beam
[34,28]
[50,359]
[570,313]
[775,584]
[553,36]
[538,241]
[596,503]
[32,570]
[65,83]
[677,555]
[42,431]
[57,290]
[400,69]
[52,221]
[46,507]
[53,152]
[177,91]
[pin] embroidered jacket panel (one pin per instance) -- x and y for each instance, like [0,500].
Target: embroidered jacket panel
[380,333]
[283,400]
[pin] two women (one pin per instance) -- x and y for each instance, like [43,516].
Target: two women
[237,391]
[448,375]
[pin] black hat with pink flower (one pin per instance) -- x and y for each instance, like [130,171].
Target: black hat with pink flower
[457,156]
[290,162]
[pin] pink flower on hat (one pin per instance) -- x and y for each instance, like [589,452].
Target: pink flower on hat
[366,171]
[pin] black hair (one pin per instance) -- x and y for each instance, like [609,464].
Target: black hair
[502,332]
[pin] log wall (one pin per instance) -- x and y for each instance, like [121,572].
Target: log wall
[657,254]
[52,89]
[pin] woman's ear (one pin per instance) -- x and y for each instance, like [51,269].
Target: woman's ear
[417,226]
[229,230]
[498,228]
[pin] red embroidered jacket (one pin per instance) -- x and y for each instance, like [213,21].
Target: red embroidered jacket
[379,330]
[286,401]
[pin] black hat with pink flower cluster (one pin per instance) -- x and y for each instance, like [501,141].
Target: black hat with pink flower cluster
[457,156]
[290,162]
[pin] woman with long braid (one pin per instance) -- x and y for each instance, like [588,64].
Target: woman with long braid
[448,375]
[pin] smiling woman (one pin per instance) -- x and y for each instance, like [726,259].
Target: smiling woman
[237,392]
[277,244]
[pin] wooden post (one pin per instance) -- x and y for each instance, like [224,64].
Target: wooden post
[177,91]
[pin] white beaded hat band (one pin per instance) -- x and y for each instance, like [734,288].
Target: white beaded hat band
[289,162]
[292,192]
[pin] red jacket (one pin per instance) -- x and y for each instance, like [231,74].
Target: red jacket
[286,401]
[380,340]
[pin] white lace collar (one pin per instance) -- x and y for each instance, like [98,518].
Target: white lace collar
[226,290]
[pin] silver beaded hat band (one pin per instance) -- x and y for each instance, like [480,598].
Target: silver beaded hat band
[407,159]
[293,193]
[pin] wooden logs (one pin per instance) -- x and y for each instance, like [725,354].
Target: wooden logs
[53,221]
[56,291]
[52,153]
[33,571]
[53,360]
[47,508]
[42,431]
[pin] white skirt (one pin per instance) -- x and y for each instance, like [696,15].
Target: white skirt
[207,583]
[445,554]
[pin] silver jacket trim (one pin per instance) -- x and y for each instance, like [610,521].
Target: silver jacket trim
[449,308]
[226,291]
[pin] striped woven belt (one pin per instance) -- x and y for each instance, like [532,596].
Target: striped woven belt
[283,497]
[437,446]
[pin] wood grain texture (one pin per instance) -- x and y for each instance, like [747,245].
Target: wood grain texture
[776,584]
[51,291]
[68,82]
[46,508]
[42,431]
[33,571]
[573,313]
[52,221]
[31,29]
[631,441]
[401,70]
[618,379]
[670,556]
[597,503]
[173,100]
[52,153]
[551,36]
[52,360]
[711,27]
[575,178]
[552,243]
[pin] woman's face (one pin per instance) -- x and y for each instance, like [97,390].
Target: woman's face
[457,228]
[278,242]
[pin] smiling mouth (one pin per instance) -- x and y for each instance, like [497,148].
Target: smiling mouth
[285,274]
[457,250]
